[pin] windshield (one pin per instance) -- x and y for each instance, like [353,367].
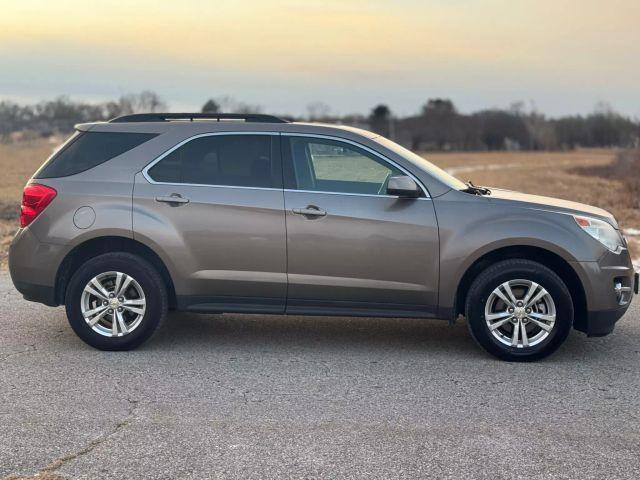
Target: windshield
[422,163]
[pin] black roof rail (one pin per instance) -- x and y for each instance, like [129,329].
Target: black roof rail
[165,117]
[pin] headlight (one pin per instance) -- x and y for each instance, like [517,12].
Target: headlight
[601,231]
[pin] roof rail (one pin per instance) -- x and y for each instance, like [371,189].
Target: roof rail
[166,117]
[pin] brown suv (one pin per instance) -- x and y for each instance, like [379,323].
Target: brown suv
[253,214]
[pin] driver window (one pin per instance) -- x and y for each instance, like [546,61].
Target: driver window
[331,166]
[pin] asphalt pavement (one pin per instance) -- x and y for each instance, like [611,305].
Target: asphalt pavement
[253,397]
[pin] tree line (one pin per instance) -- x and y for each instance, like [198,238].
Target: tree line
[58,116]
[437,126]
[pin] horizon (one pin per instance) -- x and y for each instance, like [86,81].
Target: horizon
[284,55]
[601,107]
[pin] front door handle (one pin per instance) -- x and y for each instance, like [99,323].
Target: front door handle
[174,198]
[310,211]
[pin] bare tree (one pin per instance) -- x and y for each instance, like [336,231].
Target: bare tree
[143,102]
[229,104]
[318,111]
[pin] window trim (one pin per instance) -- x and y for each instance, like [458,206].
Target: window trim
[365,148]
[145,170]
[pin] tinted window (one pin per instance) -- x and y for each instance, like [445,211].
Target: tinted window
[89,149]
[233,160]
[331,166]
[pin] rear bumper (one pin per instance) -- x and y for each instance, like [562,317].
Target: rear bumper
[33,267]
[36,293]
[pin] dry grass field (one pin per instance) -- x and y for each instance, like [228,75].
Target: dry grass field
[586,176]
[578,175]
[583,175]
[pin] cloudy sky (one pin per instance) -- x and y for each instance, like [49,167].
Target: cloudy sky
[563,55]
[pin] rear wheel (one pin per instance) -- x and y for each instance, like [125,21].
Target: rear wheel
[519,310]
[116,301]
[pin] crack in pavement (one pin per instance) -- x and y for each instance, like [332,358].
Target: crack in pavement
[31,348]
[48,472]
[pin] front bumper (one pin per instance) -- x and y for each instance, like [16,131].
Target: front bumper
[604,305]
[599,324]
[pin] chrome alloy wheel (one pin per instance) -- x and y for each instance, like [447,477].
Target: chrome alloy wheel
[520,313]
[113,304]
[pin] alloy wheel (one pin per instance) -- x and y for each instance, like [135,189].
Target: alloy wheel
[520,313]
[113,304]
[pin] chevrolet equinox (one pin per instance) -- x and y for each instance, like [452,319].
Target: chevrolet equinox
[250,213]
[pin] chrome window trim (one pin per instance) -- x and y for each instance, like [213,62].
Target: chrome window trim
[214,186]
[291,190]
[367,149]
[145,170]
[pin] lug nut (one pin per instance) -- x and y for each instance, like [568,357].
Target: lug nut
[120,309]
[111,295]
[121,299]
[511,310]
[105,303]
[528,310]
[519,304]
[110,310]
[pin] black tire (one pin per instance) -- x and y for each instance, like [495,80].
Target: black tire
[508,270]
[148,278]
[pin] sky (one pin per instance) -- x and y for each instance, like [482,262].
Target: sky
[561,56]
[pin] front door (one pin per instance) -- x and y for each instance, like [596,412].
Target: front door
[353,249]
[213,209]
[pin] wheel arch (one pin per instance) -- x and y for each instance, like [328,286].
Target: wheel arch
[537,254]
[108,244]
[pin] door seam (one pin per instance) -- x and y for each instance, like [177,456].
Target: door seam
[286,231]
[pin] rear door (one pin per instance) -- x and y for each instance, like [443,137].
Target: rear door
[212,207]
[353,249]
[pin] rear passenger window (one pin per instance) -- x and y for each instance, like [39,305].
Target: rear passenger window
[90,149]
[229,160]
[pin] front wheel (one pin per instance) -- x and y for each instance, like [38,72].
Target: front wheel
[116,301]
[519,310]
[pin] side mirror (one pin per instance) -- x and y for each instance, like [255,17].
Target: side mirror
[403,187]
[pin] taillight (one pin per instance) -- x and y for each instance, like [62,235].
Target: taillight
[35,199]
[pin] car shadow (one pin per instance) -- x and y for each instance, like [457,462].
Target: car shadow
[204,334]
[326,335]
[247,332]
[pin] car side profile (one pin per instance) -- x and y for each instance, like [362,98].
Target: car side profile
[219,213]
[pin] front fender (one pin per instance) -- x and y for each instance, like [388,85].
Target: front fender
[472,227]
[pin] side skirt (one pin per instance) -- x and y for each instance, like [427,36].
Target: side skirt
[217,304]
[275,306]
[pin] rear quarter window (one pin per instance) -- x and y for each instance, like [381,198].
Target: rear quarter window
[88,150]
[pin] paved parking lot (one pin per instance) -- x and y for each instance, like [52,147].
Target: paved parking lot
[290,397]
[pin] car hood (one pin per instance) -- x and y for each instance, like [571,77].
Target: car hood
[552,204]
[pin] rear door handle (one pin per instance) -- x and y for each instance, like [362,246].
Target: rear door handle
[175,198]
[310,211]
